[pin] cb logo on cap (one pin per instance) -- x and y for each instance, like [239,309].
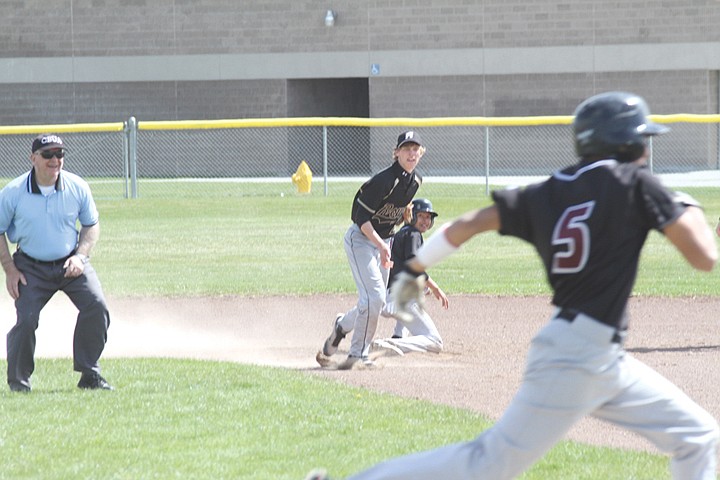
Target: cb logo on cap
[51,139]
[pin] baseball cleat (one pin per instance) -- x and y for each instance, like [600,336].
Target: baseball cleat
[332,342]
[348,363]
[387,346]
[367,364]
[357,363]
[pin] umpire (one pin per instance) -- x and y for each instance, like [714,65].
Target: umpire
[39,211]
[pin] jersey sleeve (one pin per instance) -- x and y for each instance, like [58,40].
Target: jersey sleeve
[513,219]
[369,199]
[7,208]
[88,213]
[658,202]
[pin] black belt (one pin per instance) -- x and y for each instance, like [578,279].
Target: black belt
[51,263]
[569,315]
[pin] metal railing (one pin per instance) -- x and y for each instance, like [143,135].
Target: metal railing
[258,156]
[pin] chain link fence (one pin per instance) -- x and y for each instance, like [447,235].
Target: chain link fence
[259,157]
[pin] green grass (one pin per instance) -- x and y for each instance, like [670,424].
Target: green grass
[218,420]
[194,419]
[255,244]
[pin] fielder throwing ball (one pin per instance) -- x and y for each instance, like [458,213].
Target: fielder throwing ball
[378,207]
[588,224]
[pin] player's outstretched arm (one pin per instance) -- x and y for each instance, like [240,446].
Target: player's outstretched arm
[450,237]
[692,236]
[410,283]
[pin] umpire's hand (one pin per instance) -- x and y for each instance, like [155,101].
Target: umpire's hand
[74,267]
[13,279]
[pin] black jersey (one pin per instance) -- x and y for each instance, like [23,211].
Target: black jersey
[405,244]
[589,222]
[383,198]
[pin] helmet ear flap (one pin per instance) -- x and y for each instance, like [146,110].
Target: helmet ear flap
[631,152]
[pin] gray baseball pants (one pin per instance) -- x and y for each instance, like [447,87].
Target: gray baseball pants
[573,370]
[422,334]
[371,282]
[44,279]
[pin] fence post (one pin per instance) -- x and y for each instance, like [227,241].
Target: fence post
[325,159]
[126,158]
[487,160]
[132,155]
[650,156]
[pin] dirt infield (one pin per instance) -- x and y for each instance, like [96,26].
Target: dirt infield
[486,339]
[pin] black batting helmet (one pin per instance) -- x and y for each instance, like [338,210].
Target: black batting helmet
[423,205]
[614,125]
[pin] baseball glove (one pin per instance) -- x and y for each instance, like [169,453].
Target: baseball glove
[405,288]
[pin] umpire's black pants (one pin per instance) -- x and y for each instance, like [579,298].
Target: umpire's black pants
[93,320]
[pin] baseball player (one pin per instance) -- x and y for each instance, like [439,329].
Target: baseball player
[422,334]
[588,223]
[378,207]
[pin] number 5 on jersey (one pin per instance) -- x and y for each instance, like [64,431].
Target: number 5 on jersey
[572,232]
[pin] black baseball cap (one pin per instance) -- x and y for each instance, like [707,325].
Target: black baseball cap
[408,137]
[46,141]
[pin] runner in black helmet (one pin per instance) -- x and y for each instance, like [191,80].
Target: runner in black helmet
[418,333]
[588,224]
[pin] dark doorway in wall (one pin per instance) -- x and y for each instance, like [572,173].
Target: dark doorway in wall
[348,150]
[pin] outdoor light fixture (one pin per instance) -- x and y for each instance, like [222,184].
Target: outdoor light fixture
[330,17]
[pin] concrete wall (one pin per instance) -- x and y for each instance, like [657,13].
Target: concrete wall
[70,61]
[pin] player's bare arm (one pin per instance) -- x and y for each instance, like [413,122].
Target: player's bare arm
[445,242]
[438,293]
[692,236]
[473,223]
[450,238]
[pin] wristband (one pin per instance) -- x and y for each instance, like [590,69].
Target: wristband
[415,274]
[436,249]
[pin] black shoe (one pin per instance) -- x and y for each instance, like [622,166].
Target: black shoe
[331,344]
[94,381]
[19,387]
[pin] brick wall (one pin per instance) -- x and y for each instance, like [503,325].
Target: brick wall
[151,27]
[110,28]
